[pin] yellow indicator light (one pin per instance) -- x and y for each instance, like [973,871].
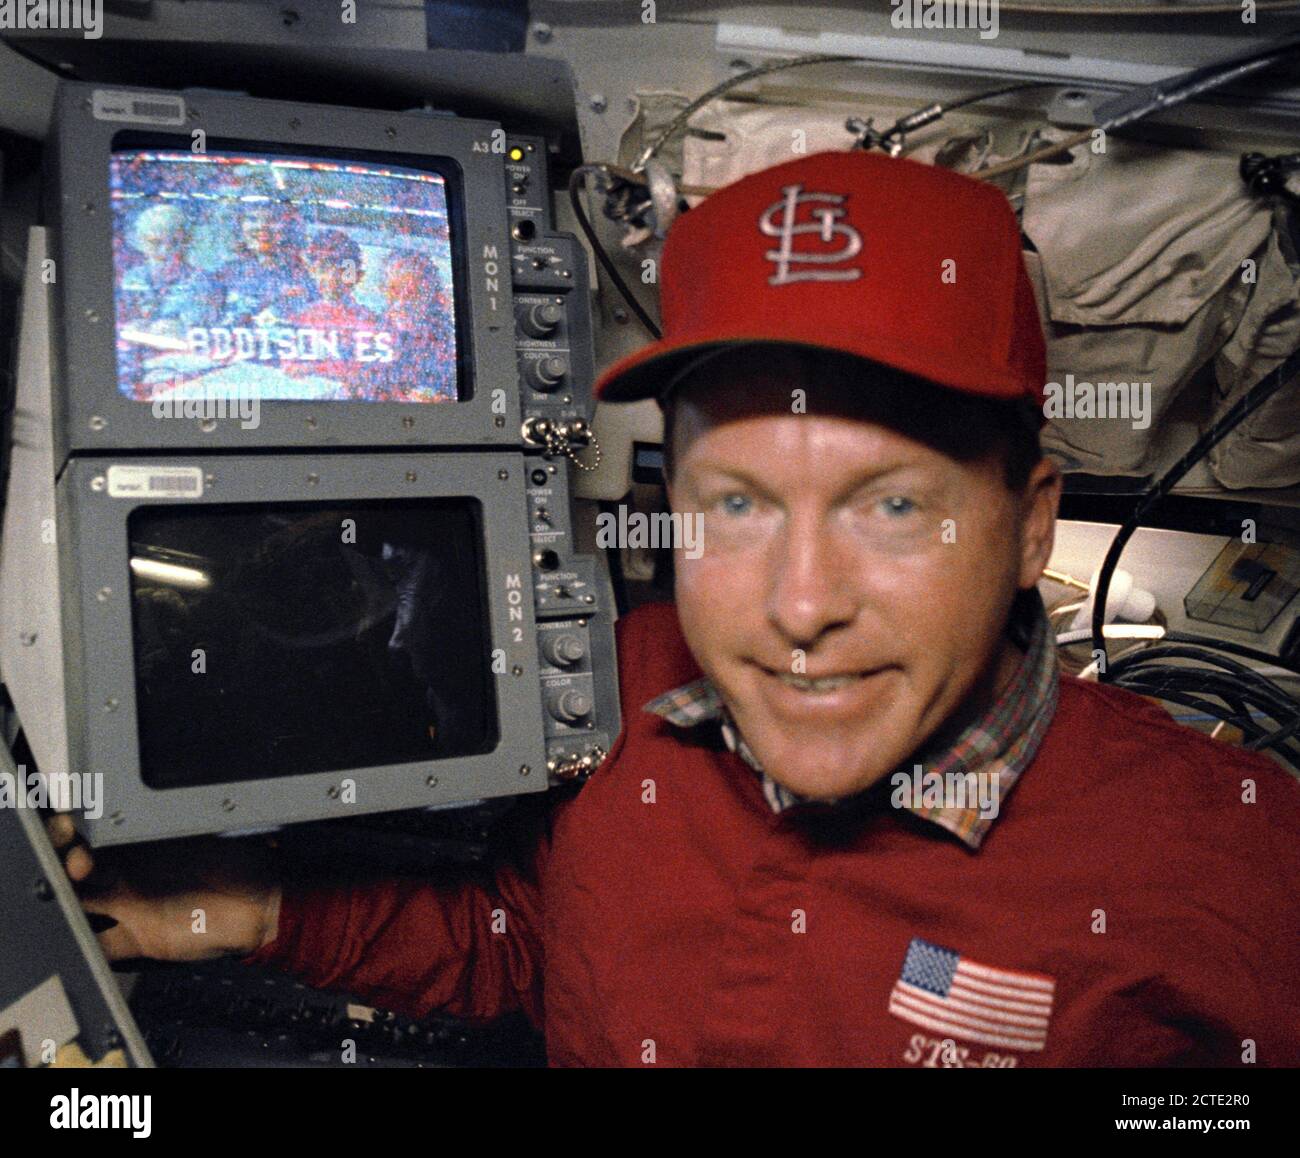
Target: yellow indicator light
[516,154]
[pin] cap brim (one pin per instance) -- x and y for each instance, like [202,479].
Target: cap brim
[650,372]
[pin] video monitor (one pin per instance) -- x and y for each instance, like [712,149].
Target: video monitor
[288,278]
[245,274]
[287,638]
[253,640]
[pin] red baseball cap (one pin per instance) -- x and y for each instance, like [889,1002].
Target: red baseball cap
[904,264]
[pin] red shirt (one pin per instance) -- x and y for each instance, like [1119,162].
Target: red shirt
[1127,897]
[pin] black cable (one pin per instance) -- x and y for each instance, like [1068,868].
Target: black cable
[1258,737]
[1234,649]
[1200,681]
[1181,696]
[1246,405]
[1186,699]
[1239,686]
[1163,651]
[1244,682]
[1255,739]
[1245,692]
[577,179]
[1237,694]
[1261,684]
[1274,739]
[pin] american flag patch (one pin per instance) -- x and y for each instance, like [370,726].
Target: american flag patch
[943,991]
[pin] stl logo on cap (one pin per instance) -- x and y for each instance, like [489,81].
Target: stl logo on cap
[835,261]
[827,222]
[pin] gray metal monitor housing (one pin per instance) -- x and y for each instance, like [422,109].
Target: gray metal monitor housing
[99,661]
[91,414]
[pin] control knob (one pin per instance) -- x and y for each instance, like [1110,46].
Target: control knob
[546,374]
[541,320]
[568,705]
[562,648]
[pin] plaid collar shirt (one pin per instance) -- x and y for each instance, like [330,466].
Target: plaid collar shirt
[999,744]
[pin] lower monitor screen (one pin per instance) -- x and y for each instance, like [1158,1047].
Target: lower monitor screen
[292,638]
[281,279]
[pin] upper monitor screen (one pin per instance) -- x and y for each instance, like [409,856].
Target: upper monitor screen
[280,278]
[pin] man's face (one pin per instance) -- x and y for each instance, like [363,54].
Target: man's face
[840,551]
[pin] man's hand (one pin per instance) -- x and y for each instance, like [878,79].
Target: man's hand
[219,908]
